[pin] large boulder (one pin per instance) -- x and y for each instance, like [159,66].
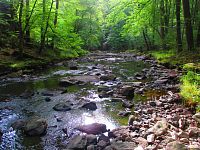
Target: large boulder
[35,126]
[175,146]
[62,107]
[90,105]
[94,128]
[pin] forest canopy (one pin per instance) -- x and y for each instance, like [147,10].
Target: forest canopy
[77,25]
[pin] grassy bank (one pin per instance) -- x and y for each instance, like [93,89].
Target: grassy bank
[11,61]
[190,81]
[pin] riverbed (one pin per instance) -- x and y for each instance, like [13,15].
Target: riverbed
[25,96]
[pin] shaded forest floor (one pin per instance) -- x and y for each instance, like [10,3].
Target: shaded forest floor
[13,63]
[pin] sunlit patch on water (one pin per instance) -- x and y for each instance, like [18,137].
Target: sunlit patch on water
[94,97]
[99,117]
[68,72]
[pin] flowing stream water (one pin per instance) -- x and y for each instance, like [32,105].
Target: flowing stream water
[24,97]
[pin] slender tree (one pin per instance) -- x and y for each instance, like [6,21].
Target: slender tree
[178,25]
[55,22]
[42,44]
[27,37]
[42,38]
[162,23]
[21,37]
[198,36]
[188,24]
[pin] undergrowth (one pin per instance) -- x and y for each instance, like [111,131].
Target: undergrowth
[189,62]
[190,88]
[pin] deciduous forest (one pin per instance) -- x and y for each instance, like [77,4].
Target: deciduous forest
[126,73]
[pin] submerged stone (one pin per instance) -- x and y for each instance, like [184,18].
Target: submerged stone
[62,107]
[90,105]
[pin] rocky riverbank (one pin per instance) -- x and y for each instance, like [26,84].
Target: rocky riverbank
[159,123]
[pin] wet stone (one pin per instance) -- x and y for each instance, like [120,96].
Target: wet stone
[109,77]
[91,139]
[47,99]
[90,106]
[19,124]
[124,113]
[102,144]
[62,107]
[127,91]
[77,142]
[35,126]
[127,104]
[47,93]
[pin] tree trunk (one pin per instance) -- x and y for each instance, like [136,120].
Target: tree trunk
[162,24]
[178,26]
[55,22]
[167,15]
[21,37]
[42,38]
[188,25]
[42,44]
[198,36]
[27,37]
[145,39]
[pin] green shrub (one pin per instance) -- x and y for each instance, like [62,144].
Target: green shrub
[190,88]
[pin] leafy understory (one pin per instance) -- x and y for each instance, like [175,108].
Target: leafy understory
[190,88]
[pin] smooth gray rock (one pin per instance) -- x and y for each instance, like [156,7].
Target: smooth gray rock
[35,126]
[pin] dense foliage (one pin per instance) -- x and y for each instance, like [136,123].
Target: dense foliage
[101,24]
